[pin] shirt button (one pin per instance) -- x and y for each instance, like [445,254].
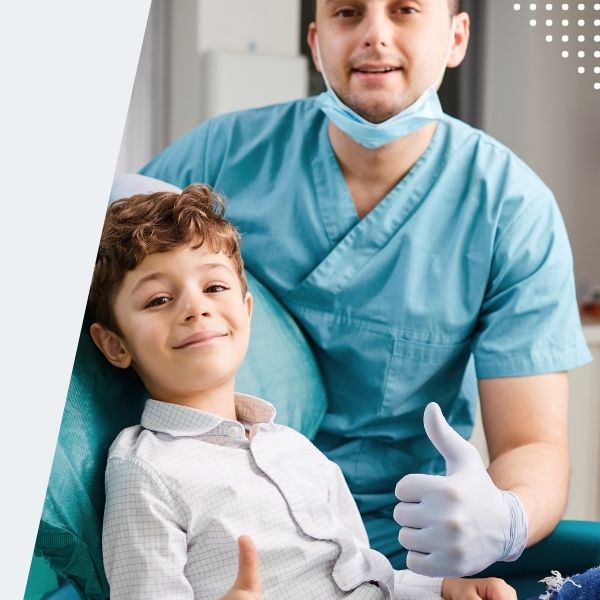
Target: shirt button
[234,432]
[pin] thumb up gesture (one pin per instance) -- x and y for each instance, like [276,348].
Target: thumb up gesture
[459,523]
[247,584]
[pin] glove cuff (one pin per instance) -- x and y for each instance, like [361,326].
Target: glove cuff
[517,539]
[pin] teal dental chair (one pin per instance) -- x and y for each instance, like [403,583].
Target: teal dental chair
[102,400]
[279,367]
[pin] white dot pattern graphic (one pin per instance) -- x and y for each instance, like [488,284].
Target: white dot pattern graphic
[580,36]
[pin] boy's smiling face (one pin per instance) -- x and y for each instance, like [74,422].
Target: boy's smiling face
[184,325]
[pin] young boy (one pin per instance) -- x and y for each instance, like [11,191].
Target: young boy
[169,299]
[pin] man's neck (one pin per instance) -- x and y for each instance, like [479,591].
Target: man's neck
[372,173]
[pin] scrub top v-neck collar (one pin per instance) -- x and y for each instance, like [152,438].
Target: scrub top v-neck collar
[358,238]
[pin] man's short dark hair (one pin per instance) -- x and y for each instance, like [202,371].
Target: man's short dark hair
[455,6]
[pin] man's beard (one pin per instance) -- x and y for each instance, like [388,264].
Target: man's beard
[376,115]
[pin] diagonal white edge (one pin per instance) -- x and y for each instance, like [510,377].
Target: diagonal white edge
[67,71]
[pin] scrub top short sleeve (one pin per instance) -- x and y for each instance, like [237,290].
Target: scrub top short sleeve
[525,327]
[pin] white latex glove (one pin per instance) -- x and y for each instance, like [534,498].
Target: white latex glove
[459,523]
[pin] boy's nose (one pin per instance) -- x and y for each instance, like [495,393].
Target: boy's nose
[192,315]
[195,307]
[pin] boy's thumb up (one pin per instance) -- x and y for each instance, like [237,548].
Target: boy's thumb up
[247,584]
[248,578]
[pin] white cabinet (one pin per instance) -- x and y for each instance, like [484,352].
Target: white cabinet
[230,55]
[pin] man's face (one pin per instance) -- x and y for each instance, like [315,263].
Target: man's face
[184,321]
[381,55]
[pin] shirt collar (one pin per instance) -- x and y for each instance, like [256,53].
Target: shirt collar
[178,420]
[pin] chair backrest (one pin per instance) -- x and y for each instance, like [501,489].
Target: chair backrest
[102,400]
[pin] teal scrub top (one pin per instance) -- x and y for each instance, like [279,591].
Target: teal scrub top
[462,271]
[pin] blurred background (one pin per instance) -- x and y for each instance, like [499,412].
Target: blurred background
[521,82]
[202,58]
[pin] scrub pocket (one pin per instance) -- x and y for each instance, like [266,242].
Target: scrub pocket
[422,372]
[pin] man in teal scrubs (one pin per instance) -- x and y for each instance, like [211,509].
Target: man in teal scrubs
[425,262]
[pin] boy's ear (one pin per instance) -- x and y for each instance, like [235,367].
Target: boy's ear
[111,345]
[249,303]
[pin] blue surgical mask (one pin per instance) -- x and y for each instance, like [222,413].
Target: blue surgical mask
[424,110]
[373,135]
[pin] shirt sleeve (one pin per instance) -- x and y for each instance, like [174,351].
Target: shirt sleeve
[144,548]
[372,565]
[529,322]
[412,586]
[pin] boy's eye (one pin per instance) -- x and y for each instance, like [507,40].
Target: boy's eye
[215,288]
[158,301]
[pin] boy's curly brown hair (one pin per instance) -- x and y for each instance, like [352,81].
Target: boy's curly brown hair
[147,223]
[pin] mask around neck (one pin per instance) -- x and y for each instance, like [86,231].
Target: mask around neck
[424,110]
[374,135]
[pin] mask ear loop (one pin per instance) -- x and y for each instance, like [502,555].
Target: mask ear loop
[320,57]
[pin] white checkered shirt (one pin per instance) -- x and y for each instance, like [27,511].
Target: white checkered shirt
[183,486]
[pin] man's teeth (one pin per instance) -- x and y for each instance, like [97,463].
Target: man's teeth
[382,70]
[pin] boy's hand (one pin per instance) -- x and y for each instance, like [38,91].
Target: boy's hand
[247,584]
[489,588]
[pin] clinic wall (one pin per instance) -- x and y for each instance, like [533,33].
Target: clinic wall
[537,103]
[257,40]
[206,57]
[146,131]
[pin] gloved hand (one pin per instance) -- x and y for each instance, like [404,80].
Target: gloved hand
[460,523]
